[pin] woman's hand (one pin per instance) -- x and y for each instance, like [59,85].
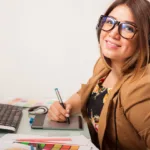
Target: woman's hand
[58,113]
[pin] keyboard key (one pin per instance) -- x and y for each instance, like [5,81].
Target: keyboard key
[10,117]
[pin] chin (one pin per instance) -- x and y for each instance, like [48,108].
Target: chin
[111,56]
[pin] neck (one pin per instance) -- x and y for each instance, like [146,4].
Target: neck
[116,68]
[114,75]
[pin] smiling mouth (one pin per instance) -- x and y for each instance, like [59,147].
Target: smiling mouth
[112,44]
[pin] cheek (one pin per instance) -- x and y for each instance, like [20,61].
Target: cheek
[131,47]
[102,37]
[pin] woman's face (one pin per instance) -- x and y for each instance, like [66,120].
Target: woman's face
[112,45]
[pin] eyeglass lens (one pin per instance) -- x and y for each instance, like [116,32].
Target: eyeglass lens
[126,30]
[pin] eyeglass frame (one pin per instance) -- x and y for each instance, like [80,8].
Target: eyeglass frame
[118,23]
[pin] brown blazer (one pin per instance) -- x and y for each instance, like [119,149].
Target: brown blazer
[127,110]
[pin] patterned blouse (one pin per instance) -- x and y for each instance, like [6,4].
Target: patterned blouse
[96,101]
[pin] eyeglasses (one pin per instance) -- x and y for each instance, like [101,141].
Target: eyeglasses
[126,29]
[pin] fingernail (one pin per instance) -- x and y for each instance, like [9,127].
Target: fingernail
[68,110]
[67,115]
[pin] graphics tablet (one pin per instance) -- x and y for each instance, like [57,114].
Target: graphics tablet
[41,121]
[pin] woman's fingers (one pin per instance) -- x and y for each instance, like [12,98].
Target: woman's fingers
[57,112]
[60,113]
[68,108]
[55,117]
[52,116]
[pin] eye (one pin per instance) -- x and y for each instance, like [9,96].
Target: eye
[109,21]
[128,28]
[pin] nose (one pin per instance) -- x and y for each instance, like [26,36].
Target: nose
[114,33]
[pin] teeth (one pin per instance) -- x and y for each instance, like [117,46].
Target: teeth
[111,43]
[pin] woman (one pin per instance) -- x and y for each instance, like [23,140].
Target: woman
[116,100]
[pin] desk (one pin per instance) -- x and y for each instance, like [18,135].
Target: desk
[24,128]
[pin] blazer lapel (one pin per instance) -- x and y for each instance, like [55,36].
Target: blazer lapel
[87,88]
[105,111]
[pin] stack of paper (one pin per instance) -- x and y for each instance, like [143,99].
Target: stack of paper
[68,142]
[14,146]
[30,102]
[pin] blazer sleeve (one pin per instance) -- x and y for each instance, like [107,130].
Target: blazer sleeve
[138,108]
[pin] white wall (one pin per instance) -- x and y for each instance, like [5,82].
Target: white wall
[46,44]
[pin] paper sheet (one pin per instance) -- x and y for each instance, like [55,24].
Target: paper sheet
[13,146]
[30,102]
[81,140]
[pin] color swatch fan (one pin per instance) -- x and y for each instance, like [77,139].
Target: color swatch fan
[50,143]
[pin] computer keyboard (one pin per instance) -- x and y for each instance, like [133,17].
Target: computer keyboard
[10,117]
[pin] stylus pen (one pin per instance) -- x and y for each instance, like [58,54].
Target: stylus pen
[61,103]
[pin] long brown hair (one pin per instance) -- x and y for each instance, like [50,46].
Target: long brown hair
[141,12]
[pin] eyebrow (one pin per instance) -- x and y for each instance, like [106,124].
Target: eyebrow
[130,22]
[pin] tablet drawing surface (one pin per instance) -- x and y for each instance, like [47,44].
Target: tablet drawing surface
[43,122]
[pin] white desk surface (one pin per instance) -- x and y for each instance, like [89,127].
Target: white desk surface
[25,128]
